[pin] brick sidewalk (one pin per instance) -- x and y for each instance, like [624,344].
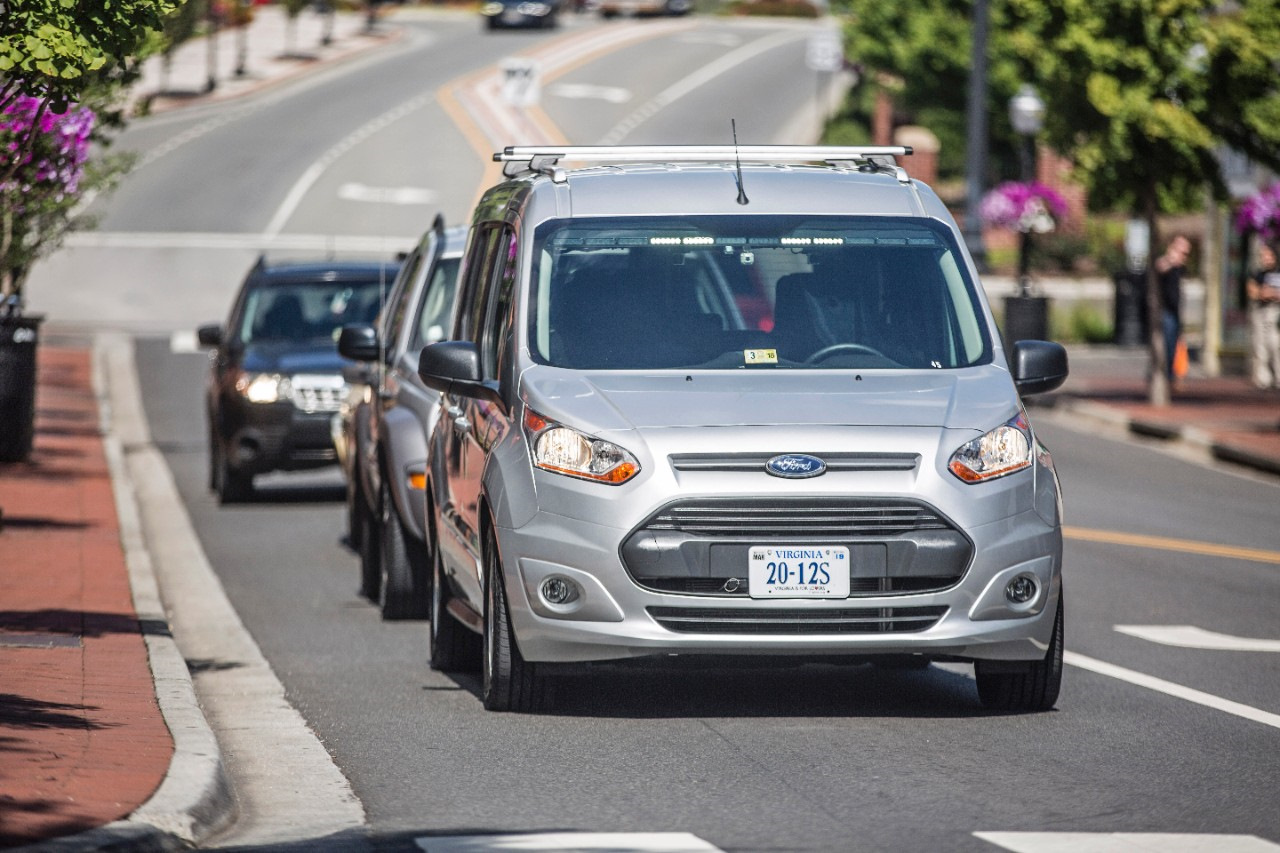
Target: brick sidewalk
[82,739]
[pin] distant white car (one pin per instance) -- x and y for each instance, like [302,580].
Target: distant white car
[627,467]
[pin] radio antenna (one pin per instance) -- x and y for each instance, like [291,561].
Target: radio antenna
[742,192]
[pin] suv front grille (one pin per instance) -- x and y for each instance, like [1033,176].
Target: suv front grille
[849,620]
[700,547]
[321,395]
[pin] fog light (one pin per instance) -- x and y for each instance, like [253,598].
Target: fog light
[1021,589]
[559,590]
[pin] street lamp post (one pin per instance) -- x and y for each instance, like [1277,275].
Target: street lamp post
[1026,316]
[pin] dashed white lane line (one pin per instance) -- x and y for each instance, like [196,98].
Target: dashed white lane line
[385,243]
[183,341]
[1191,637]
[569,842]
[1169,688]
[386,195]
[1126,842]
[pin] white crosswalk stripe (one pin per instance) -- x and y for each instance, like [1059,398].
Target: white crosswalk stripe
[568,842]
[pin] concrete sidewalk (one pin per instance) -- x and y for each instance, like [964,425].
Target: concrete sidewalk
[241,60]
[83,740]
[1222,418]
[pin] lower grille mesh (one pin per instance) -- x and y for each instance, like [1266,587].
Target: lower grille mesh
[847,620]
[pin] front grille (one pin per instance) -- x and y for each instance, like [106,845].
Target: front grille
[849,620]
[700,547]
[317,397]
[755,462]
[823,518]
[315,455]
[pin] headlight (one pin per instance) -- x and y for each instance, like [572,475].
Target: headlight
[262,387]
[564,450]
[1004,450]
[535,9]
[491,9]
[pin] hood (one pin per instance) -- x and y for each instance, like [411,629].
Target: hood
[293,357]
[974,398]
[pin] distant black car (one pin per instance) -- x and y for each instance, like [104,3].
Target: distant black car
[520,13]
[276,378]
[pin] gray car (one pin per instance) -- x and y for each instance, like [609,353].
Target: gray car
[718,401]
[386,429]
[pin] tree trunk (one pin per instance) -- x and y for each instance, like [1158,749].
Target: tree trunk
[1158,381]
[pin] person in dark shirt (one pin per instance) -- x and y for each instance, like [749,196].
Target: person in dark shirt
[1169,271]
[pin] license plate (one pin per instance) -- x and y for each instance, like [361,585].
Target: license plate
[798,571]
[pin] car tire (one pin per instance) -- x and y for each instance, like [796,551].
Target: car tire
[402,581]
[1033,690]
[370,558]
[454,647]
[510,682]
[230,485]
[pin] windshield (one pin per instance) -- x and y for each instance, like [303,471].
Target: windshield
[753,291]
[306,311]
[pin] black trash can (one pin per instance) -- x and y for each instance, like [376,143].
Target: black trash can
[19,335]
[1026,318]
[1130,316]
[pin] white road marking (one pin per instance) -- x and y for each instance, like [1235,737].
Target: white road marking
[585,91]
[723,39]
[1171,689]
[381,243]
[386,195]
[701,77]
[569,842]
[313,172]
[1191,637]
[183,341]
[1126,842]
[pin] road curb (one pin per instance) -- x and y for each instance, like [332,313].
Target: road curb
[1192,438]
[194,799]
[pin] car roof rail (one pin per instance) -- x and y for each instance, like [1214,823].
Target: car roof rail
[544,159]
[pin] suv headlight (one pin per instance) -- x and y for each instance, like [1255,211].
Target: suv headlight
[1004,450]
[263,387]
[564,450]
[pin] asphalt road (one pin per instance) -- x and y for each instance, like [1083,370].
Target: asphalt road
[816,757]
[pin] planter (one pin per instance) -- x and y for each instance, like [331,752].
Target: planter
[19,335]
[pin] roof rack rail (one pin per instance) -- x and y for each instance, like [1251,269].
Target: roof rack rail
[547,155]
[545,159]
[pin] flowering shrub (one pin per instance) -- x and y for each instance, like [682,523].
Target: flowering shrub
[1260,214]
[1023,207]
[41,176]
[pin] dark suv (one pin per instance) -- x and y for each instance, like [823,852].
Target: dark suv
[276,379]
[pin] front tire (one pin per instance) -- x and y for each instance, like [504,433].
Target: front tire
[1034,690]
[510,682]
[402,581]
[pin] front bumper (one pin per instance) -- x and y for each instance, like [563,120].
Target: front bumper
[614,618]
[262,437]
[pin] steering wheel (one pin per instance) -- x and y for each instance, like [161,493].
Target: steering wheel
[826,352]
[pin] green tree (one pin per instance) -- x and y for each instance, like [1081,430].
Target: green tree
[921,52]
[1141,93]
[55,49]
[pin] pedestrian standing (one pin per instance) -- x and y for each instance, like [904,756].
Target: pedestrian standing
[1263,290]
[1170,268]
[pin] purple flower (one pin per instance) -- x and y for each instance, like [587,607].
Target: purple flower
[1260,214]
[52,161]
[1023,207]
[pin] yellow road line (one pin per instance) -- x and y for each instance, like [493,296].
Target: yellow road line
[1164,543]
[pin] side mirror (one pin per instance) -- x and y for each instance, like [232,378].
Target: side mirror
[210,335]
[1038,366]
[453,367]
[359,342]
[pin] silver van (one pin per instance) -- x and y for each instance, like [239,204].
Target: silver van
[707,400]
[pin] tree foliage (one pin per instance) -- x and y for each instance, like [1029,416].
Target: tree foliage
[56,49]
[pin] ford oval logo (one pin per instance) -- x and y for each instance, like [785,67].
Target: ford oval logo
[795,466]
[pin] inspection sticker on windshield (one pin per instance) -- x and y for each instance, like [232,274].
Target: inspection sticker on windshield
[760,356]
[798,571]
